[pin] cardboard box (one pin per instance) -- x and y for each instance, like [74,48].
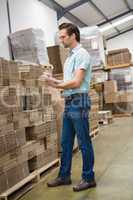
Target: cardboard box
[110,87]
[118,57]
[34,116]
[38,131]
[16,174]
[57,56]
[21,136]
[112,98]
[20,120]
[126,96]
[3,182]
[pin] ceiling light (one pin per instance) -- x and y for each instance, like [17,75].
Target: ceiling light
[122,21]
[105,28]
[117,23]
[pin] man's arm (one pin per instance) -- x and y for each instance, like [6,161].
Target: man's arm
[74,83]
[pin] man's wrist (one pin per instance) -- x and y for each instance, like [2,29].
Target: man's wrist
[59,86]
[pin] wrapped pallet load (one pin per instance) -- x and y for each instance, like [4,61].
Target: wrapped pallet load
[29,45]
[92,41]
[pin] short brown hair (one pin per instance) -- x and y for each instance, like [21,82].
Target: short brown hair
[71,28]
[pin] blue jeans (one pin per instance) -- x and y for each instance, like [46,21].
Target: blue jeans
[75,121]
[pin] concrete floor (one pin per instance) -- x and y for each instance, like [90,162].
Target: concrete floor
[113,168]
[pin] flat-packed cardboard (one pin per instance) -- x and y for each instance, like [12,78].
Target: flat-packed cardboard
[57,56]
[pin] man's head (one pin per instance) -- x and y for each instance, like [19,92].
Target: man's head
[69,34]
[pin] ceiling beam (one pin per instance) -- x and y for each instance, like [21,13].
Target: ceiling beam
[9,16]
[102,14]
[116,17]
[127,4]
[72,6]
[98,10]
[116,35]
[58,8]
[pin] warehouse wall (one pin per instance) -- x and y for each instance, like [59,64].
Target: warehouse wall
[25,14]
[122,41]
[32,13]
[4,30]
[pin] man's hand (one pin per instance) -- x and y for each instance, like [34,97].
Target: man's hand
[75,82]
[52,83]
[49,80]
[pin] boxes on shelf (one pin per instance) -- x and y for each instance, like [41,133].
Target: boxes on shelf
[123,76]
[111,98]
[110,87]
[99,76]
[93,114]
[110,92]
[118,57]
[126,96]
[119,88]
[119,96]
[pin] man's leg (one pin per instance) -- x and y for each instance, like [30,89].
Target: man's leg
[67,141]
[81,126]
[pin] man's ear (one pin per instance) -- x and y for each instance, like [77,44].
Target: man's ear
[73,36]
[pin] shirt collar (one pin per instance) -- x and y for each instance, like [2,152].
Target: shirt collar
[75,48]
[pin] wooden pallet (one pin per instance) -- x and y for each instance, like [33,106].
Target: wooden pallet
[34,178]
[47,167]
[108,67]
[122,115]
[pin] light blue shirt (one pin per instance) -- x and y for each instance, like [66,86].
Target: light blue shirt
[78,59]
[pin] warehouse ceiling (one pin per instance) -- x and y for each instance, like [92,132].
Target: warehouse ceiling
[114,17]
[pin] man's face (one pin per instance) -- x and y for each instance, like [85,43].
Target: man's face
[65,39]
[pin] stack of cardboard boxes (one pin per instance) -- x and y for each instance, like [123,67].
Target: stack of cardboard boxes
[118,57]
[119,101]
[93,115]
[118,90]
[28,134]
[12,168]
[41,115]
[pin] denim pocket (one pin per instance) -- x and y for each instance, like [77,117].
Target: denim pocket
[82,102]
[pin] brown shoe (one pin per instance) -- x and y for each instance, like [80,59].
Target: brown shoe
[83,185]
[59,181]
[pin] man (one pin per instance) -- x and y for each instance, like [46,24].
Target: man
[77,75]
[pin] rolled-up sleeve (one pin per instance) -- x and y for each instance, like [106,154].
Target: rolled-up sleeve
[82,61]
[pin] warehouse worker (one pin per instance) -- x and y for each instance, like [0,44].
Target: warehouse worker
[77,75]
